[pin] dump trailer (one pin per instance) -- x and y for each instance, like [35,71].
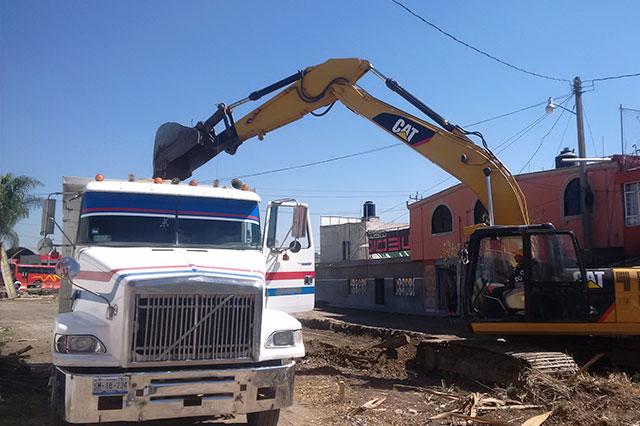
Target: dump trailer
[174,303]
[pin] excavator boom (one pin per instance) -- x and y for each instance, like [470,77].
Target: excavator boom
[179,149]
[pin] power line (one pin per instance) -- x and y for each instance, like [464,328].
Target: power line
[543,139]
[488,55]
[333,191]
[327,196]
[593,142]
[505,115]
[614,77]
[422,192]
[518,135]
[501,61]
[564,132]
[514,112]
[314,163]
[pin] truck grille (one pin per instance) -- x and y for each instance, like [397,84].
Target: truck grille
[193,327]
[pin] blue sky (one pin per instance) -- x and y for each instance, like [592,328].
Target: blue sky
[84,86]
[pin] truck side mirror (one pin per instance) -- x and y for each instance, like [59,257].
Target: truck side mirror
[295,246]
[48,216]
[67,267]
[299,225]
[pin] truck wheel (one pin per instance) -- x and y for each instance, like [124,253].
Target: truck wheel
[263,418]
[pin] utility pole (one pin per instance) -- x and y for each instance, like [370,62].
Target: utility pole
[621,132]
[584,181]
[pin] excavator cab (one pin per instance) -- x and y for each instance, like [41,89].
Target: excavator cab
[523,275]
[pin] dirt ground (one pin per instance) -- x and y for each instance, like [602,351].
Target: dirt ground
[348,379]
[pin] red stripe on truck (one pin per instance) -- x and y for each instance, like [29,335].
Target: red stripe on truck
[296,275]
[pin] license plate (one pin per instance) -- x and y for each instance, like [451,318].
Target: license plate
[110,385]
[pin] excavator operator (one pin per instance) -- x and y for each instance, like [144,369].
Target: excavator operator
[517,274]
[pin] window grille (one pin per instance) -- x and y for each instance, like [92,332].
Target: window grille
[358,286]
[404,286]
[632,204]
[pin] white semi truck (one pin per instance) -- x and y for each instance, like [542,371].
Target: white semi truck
[174,301]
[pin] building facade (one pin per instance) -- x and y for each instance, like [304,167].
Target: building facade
[366,264]
[438,221]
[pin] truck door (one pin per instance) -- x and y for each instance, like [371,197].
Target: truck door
[288,248]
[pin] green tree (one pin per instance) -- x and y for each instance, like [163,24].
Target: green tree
[15,204]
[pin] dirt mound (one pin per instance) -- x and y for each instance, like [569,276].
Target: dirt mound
[358,329]
[375,360]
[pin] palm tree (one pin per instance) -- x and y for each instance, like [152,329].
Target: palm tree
[15,204]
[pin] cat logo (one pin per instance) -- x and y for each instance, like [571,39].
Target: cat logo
[404,130]
[595,278]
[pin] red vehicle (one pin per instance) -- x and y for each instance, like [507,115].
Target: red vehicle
[35,277]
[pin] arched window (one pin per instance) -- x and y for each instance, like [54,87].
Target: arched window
[572,198]
[441,220]
[480,213]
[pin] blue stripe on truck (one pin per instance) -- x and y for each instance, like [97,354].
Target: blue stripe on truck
[291,291]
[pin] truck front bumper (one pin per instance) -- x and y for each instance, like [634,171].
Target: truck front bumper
[177,393]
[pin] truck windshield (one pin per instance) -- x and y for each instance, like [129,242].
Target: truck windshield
[109,218]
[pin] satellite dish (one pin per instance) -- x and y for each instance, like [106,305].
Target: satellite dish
[44,246]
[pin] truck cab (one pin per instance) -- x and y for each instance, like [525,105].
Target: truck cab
[175,302]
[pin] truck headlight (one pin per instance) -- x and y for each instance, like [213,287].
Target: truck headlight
[284,339]
[78,344]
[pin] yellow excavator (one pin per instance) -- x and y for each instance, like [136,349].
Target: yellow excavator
[520,278]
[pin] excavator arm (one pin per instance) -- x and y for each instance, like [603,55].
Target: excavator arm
[179,149]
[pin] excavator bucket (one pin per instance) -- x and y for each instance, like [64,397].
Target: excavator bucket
[179,150]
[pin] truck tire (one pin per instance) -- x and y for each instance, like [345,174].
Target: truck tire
[263,418]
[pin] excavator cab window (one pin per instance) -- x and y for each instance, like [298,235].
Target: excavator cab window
[526,276]
[554,292]
[493,283]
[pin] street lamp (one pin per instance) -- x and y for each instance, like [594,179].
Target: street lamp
[551,106]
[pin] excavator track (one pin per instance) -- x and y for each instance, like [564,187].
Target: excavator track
[556,363]
[495,361]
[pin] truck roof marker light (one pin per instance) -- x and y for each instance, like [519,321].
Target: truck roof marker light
[236,183]
[175,181]
[99,177]
[216,183]
[157,180]
[193,182]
